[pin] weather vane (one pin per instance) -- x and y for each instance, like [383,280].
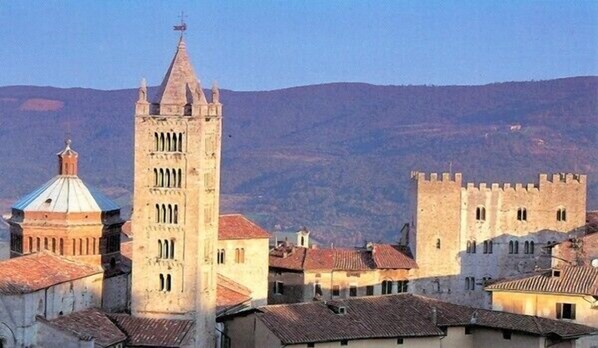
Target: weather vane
[183,26]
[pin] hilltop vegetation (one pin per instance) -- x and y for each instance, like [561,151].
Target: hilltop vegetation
[335,157]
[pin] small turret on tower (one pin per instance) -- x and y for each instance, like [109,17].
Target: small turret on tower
[67,160]
[215,93]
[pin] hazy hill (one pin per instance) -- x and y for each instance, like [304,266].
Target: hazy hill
[333,157]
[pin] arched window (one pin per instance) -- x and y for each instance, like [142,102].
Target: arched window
[237,255]
[156,177]
[179,178]
[74,247]
[80,246]
[531,247]
[166,250]
[157,213]
[516,247]
[468,248]
[561,214]
[156,142]
[61,249]
[167,178]
[485,247]
[161,282]
[176,214]
[161,141]
[30,244]
[490,247]
[174,142]
[159,248]
[242,255]
[172,249]
[473,247]
[168,145]
[438,243]
[168,282]
[387,287]
[38,245]
[180,142]
[511,247]
[45,243]
[526,247]
[467,283]
[480,214]
[163,219]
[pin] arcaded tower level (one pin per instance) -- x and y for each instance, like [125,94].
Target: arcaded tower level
[176,200]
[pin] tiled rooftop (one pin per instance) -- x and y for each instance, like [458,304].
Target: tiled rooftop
[381,256]
[230,294]
[237,226]
[38,271]
[402,315]
[146,332]
[89,323]
[580,280]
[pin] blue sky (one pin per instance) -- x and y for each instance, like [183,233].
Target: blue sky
[262,45]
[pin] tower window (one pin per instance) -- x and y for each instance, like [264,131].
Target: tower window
[511,247]
[438,243]
[516,250]
[521,214]
[480,214]
[531,247]
[561,214]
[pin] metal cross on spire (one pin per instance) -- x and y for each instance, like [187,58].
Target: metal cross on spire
[183,26]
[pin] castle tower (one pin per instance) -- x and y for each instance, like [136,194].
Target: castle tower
[176,200]
[68,218]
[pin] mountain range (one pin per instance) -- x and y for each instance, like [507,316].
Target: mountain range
[335,158]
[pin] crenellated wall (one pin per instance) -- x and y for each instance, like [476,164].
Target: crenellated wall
[510,216]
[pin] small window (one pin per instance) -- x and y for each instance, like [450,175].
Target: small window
[336,290]
[468,247]
[473,247]
[565,311]
[400,341]
[402,286]
[480,214]
[386,287]
[526,247]
[317,289]
[438,243]
[369,290]
[516,251]
[352,290]
[468,330]
[511,247]
[311,344]
[506,334]
[344,342]
[279,288]
[220,257]
[521,214]
[561,214]
[531,247]
[490,247]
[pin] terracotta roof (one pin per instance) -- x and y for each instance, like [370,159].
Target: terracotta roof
[580,280]
[146,332]
[384,256]
[230,294]
[89,323]
[237,226]
[403,315]
[391,256]
[38,271]
[180,85]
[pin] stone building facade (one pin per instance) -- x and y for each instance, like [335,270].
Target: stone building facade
[463,236]
[176,200]
[300,274]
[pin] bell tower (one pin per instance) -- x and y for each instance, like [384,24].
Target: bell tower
[176,200]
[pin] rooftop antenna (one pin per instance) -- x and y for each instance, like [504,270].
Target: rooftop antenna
[183,26]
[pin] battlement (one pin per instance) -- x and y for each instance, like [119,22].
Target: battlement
[433,177]
[543,181]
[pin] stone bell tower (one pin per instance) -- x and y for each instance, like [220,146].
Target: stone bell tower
[176,200]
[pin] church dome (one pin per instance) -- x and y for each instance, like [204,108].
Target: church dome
[66,192]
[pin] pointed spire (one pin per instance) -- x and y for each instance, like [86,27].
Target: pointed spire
[143,91]
[67,160]
[215,93]
[180,85]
